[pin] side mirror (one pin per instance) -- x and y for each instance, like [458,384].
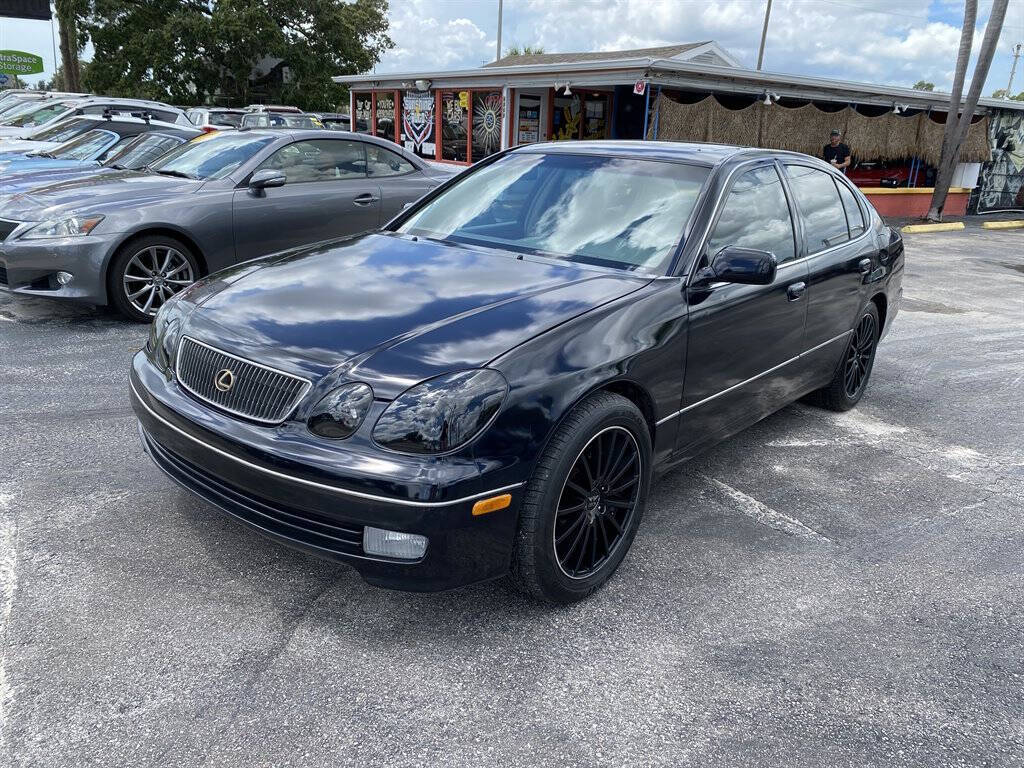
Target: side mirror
[746,266]
[267,178]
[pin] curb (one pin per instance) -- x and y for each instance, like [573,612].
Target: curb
[1010,224]
[946,226]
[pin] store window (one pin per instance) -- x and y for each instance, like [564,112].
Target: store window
[595,123]
[363,112]
[565,118]
[454,128]
[418,123]
[385,115]
[487,113]
[528,126]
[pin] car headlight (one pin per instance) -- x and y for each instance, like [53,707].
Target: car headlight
[441,414]
[340,412]
[72,226]
[164,331]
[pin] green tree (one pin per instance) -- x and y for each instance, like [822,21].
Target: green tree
[192,51]
[524,50]
[1001,94]
[924,85]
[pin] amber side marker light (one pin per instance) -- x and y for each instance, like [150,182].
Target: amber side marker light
[492,504]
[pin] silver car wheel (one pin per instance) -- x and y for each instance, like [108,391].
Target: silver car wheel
[153,275]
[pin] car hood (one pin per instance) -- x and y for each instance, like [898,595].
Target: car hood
[18,164]
[96,191]
[21,146]
[23,182]
[392,310]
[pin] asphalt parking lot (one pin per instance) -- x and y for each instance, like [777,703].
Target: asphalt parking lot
[842,590]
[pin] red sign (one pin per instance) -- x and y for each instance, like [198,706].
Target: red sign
[640,87]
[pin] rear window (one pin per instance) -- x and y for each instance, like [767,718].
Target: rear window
[818,199]
[226,119]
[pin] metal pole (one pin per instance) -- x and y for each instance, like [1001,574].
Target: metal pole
[1013,70]
[499,31]
[647,107]
[53,39]
[764,35]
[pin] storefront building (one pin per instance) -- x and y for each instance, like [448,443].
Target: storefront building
[695,92]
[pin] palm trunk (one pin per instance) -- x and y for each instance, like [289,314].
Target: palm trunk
[951,151]
[67,23]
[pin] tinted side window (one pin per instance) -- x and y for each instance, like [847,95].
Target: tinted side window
[756,215]
[854,215]
[818,200]
[383,162]
[323,160]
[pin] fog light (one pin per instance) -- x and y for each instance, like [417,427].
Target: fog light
[64,277]
[405,546]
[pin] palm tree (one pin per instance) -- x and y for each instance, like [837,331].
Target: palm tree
[958,117]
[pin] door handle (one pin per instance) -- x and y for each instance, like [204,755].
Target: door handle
[795,291]
[865,266]
[365,199]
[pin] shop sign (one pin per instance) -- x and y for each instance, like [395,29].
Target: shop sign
[20,63]
[418,116]
[640,87]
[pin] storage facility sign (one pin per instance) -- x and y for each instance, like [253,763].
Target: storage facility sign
[20,63]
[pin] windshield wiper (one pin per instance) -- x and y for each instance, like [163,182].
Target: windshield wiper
[178,174]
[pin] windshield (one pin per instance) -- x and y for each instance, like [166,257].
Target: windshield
[37,115]
[609,211]
[12,104]
[64,130]
[86,147]
[212,158]
[141,151]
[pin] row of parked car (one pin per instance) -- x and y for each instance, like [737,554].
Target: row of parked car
[126,202]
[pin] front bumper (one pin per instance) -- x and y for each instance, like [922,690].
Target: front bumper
[29,267]
[323,514]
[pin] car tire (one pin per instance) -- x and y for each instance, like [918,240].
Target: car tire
[603,429]
[147,271]
[857,361]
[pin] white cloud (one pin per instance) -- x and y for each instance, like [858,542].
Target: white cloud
[865,40]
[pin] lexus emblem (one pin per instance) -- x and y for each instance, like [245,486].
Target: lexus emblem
[224,380]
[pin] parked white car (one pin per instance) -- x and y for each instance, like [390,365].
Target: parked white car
[215,118]
[52,111]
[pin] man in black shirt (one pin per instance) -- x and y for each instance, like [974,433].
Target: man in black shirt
[836,152]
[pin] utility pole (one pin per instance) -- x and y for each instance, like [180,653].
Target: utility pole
[764,35]
[499,31]
[1013,69]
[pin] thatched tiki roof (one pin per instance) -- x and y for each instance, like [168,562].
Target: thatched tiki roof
[805,129]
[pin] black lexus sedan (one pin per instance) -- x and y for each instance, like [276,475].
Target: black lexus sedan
[485,386]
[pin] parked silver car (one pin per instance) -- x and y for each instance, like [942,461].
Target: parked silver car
[135,238]
[48,112]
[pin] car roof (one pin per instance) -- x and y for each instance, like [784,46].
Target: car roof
[692,152]
[116,101]
[304,134]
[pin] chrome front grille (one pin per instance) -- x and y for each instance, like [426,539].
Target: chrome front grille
[238,386]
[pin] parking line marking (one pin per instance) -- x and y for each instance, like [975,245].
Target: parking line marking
[765,515]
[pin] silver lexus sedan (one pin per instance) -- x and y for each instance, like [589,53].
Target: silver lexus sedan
[135,238]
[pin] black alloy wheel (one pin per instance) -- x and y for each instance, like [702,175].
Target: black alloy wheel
[597,502]
[859,355]
[584,501]
[854,369]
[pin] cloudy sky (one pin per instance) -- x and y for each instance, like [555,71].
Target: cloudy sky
[886,41]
